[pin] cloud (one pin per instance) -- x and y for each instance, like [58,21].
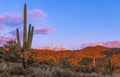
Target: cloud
[37,31]
[35,15]
[57,48]
[46,48]
[1,19]
[43,30]
[37,12]
[5,39]
[61,48]
[11,20]
[1,29]
[110,44]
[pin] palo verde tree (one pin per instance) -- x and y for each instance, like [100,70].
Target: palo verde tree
[27,38]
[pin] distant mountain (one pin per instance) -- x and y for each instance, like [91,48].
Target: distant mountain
[97,48]
[61,48]
[93,51]
[57,48]
[46,48]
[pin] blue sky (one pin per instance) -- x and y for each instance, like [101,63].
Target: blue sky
[72,22]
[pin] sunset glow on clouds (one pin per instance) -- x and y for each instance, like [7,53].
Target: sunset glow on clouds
[5,39]
[1,29]
[70,25]
[1,19]
[10,19]
[111,44]
[43,30]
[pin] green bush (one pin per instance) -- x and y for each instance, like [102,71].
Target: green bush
[63,73]
[28,71]
[65,64]
[16,70]
[48,62]
[12,56]
[86,61]
[5,74]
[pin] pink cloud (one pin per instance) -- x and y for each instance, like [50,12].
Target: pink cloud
[61,48]
[1,29]
[111,44]
[38,16]
[43,30]
[13,16]
[46,48]
[5,39]
[1,19]
[37,12]
[11,19]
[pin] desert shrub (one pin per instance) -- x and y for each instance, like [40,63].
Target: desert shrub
[5,74]
[28,71]
[112,52]
[43,72]
[86,61]
[30,61]
[1,53]
[12,56]
[16,70]
[63,73]
[65,64]
[52,72]
[85,69]
[48,62]
[105,72]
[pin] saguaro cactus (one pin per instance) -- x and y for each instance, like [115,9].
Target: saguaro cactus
[27,38]
[110,66]
[94,62]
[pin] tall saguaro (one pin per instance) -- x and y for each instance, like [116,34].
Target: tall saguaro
[25,26]
[27,37]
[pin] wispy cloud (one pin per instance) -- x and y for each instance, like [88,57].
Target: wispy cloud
[111,44]
[43,30]
[11,19]
[5,39]
[37,12]
[1,29]
[37,31]
[1,19]
[37,15]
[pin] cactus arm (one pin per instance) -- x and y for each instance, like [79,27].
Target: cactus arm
[31,36]
[29,33]
[18,38]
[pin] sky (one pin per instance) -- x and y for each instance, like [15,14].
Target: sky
[70,23]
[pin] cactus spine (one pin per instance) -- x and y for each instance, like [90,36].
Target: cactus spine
[27,38]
